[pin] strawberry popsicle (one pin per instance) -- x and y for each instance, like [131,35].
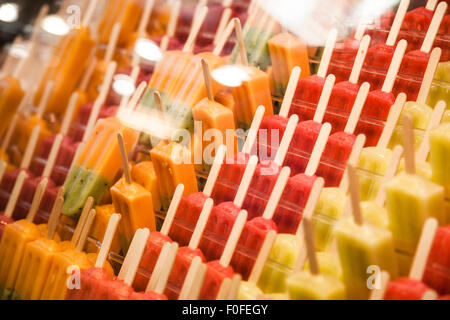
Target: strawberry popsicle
[6,217]
[218,270]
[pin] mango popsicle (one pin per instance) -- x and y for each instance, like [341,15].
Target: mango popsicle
[144,174]
[313,285]
[372,246]
[284,254]
[13,242]
[439,141]
[93,172]
[218,270]
[38,256]
[411,194]
[99,226]
[11,94]
[412,288]
[133,201]
[67,261]
[287,52]
[90,276]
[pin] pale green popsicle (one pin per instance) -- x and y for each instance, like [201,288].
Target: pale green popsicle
[328,264]
[440,156]
[306,286]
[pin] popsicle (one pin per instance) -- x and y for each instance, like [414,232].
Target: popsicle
[287,52]
[419,110]
[313,285]
[11,94]
[415,62]
[249,290]
[375,160]
[435,274]
[420,18]
[156,241]
[439,142]
[194,280]
[218,270]
[144,174]
[90,277]
[37,258]
[310,89]
[15,237]
[379,57]
[191,206]
[75,50]
[267,173]
[412,288]
[97,165]
[133,201]
[438,90]
[256,230]
[223,217]
[99,226]
[284,254]
[410,194]
[66,262]
[372,246]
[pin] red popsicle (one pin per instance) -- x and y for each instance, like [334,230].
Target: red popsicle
[223,217]
[218,270]
[191,206]
[194,280]
[6,217]
[413,288]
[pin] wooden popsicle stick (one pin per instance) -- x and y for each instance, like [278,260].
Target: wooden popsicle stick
[224,289]
[174,14]
[89,12]
[392,73]
[167,269]
[31,146]
[277,192]
[226,15]
[245,182]
[324,98]
[45,99]
[194,293]
[82,220]
[408,144]
[429,75]
[172,209]
[134,101]
[233,239]
[327,53]
[391,171]
[9,57]
[263,255]
[107,240]
[360,57]
[201,224]
[397,24]
[112,43]
[310,246]
[355,195]
[9,133]
[86,229]
[431,5]
[192,277]
[77,155]
[151,285]
[145,18]
[134,256]
[423,249]
[433,29]
[241,44]
[15,193]
[3,166]
[37,198]
[357,108]
[135,74]
[68,115]
[392,120]
[215,170]
[290,92]
[198,7]
[436,118]
[208,81]
[319,148]
[234,287]
[54,217]
[18,70]
[88,74]
[196,26]
[308,213]
[383,280]
[253,131]
[353,160]
[124,156]
[100,100]
[52,156]
[223,38]
[37,24]
[286,141]
[430,295]
[360,31]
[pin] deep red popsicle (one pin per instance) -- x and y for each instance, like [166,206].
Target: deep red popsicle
[406,289]
[437,274]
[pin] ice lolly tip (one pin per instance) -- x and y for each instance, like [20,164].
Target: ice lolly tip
[433,29]
[290,92]
[382,281]
[397,24]
[423,249]
[107,240]
[360,57]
